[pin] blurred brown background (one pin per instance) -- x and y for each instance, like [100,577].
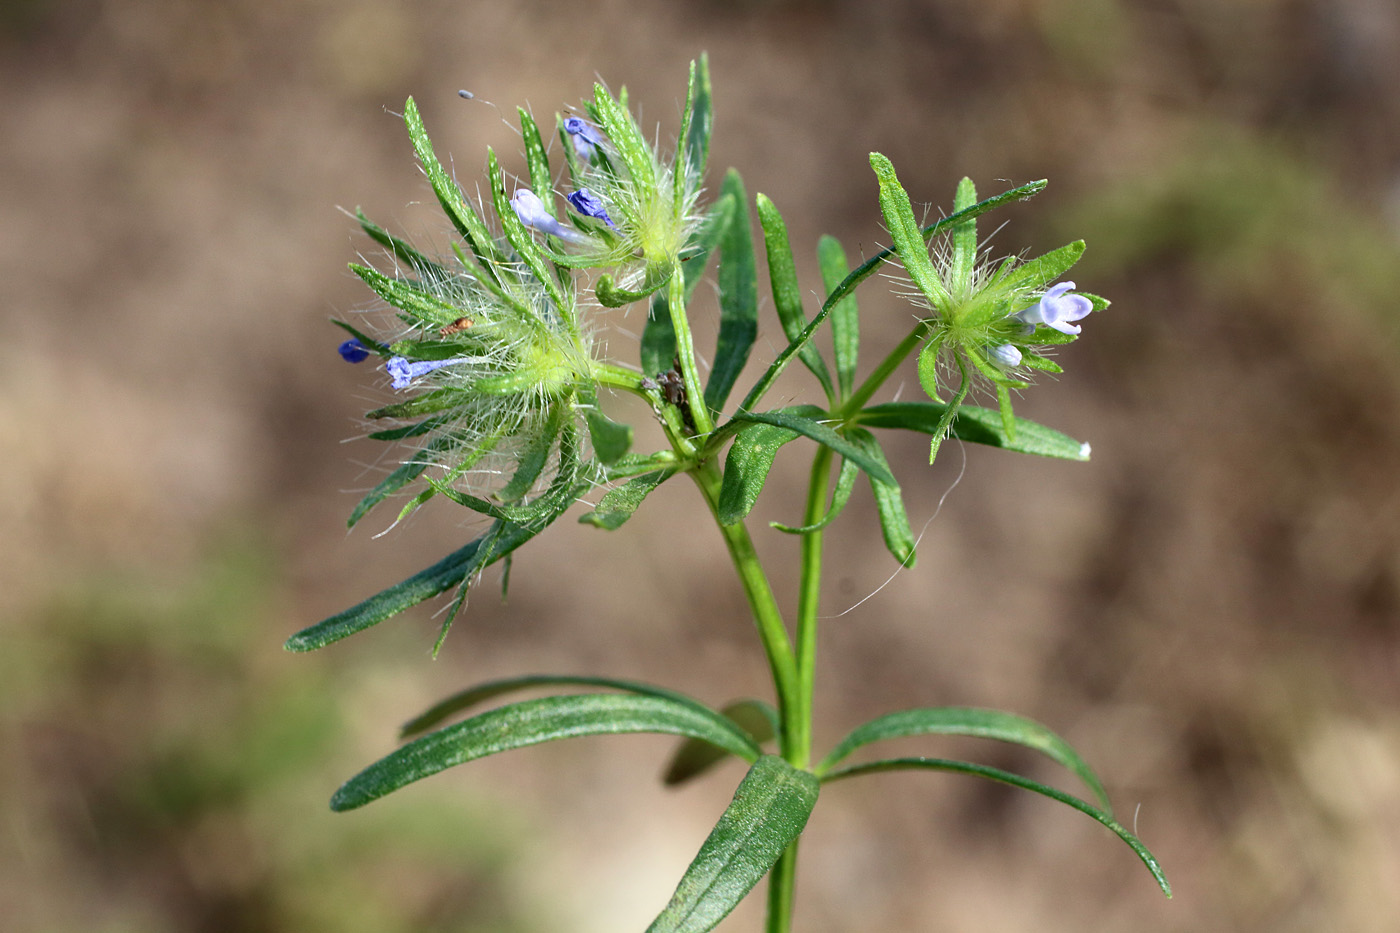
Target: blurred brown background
[1208,610]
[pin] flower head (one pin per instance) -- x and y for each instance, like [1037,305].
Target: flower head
[1057,309]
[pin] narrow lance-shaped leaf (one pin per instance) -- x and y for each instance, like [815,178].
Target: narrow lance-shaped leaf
[964,238]
[1015,780]
[407,296]
[463,700]
[845,319]
[618,504]
[699,119]
[976,425]
[746,468]
[787,293]
[904,230]
[889,503]
[769,810]
[738,298]
[969,721]
[536,159]
[404,251]
[531,722]
[520,238]
[447,573]
[458,209]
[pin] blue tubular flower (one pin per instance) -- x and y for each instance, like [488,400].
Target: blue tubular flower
[1057,309]
[402,372]
[585,137]
[352,351]
[1005,356]
[532,213]
[587,204]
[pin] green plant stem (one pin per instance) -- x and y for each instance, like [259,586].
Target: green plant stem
[798,744]
[767,617]
[782,891]
[685,352]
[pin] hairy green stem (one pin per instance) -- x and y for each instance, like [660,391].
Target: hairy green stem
[685,351]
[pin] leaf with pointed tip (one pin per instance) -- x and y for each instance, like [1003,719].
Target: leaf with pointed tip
[1015,780]
[480,693]
[697,123]
[425,307]
[531,722]
[618,504]
[404,251]
[447,573]
[889,503]
[976,425]
[458,209]
[1043,270]
[738,297]
[969,721]
[757,718]
[845,483]
[769,810]
[787,293]
[845,316]
[964,239]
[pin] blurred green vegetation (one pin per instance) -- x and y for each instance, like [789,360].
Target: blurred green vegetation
[168,768]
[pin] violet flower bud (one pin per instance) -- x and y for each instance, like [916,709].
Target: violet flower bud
[532,213]
[352,351]
[584,136]
[1006,356]
[587,204]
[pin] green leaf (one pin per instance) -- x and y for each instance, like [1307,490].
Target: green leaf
[541,181]
[622,132]
[738,297]
[534,456]
[976,425]
[969,721]
[889,502]
[1015,780]
[618,504]
[407,296]
[1044,270]
[747,464]
[531,722]
[904,231]
[789,418]
[696,125]
[451,571]
[845,319]
[787,293]
[964,239]
[480,693]
[406,473]
[458,209]
[769,810]
[694,757]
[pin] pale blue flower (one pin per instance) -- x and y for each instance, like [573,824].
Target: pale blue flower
[1057,309]
[402,372]
[532,213]
[1006,356]
[352,351]
[585,137]
[587,204]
